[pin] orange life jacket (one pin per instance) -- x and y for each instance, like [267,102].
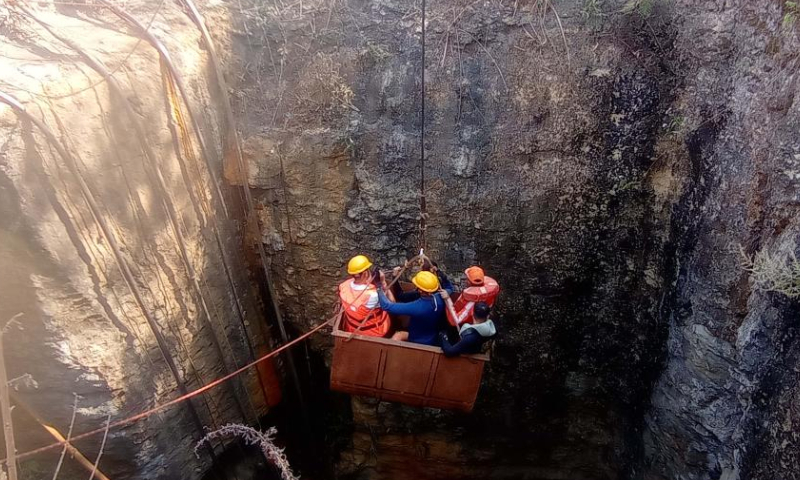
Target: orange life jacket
[374,322]
[486,293]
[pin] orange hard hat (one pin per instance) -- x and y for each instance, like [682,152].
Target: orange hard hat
[475,275]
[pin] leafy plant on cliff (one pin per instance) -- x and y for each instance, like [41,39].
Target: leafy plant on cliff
[676,125]
[791,11]
[376,52]
[774,273]
[265,441]
[642,7]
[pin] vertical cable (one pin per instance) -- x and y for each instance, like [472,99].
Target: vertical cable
[422,203]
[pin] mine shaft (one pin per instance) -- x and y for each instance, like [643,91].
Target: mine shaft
[399,239]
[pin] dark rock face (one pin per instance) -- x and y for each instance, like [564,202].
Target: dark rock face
[721,408]
[603,165]
[607,161]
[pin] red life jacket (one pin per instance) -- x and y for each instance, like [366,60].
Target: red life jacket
[354,305]
[486,293]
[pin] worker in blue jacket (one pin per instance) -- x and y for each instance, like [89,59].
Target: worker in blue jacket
[426,312]
[472,335]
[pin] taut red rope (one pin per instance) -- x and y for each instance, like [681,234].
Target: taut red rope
[182,398]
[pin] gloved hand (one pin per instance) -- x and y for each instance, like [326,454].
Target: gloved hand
[376,278]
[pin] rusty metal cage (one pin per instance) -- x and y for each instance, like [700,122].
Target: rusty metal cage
[404,372]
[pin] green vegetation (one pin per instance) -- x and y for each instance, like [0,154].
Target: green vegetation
[593,10]
[676,124]
[791,12]
[349,144]
[625,186]
[377,52]
[642,7]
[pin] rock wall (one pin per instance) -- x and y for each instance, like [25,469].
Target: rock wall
[542,138]
[603,160]
[81,331]
[612,163]
[725,403]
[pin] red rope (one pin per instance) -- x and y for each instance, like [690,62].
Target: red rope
[194,393]
[182,398]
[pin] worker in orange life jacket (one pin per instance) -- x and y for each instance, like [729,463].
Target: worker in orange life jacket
[481,288]
[359,296]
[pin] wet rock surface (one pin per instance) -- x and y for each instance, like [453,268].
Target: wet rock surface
[611,163]
[720,408]
[603,164]
[81,331]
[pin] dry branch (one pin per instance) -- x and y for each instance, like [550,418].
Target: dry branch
[251,436]
[69,435]
[491,57]
[774,273]
[102,447]
[5,407]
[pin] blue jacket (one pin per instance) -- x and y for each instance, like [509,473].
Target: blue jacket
[427,314]
[472,339]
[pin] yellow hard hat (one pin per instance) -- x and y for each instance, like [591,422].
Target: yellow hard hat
[426,281]
[358,264]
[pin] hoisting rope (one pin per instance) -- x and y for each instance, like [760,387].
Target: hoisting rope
[423,207]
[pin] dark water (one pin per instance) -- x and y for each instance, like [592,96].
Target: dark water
[312,431]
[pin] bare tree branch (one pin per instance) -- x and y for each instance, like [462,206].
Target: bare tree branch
[102,446]
[5,407]
[263,440]
[69,435]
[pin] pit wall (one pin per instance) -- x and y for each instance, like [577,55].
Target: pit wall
[602,160]
[81,330]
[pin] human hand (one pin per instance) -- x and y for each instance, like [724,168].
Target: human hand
[444,294]
[396,271]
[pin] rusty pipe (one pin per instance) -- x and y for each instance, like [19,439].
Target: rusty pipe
[232,143]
